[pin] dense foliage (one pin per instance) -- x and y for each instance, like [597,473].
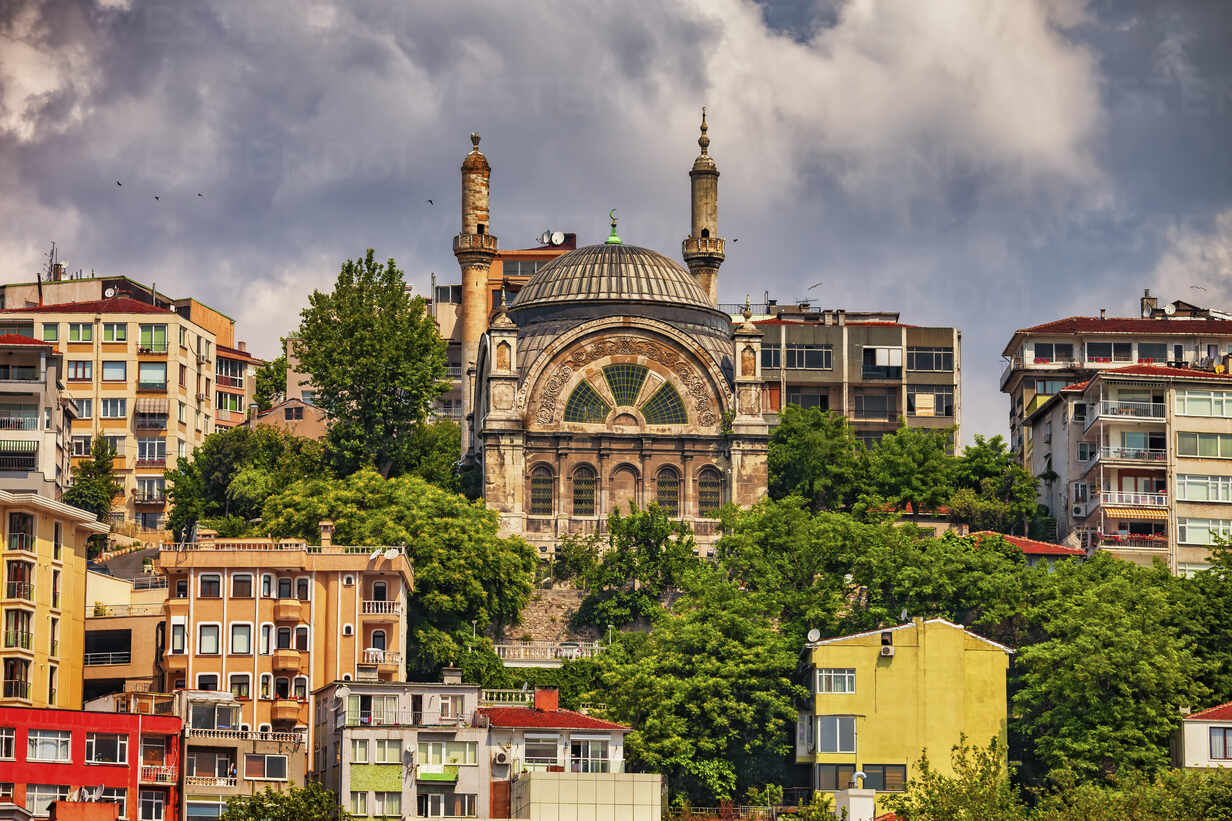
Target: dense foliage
[270,382]
[95,486]
[311,803]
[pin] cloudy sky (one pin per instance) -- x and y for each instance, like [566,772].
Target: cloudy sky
[988,165]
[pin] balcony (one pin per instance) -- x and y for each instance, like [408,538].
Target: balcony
[19,590]
[1115,541]
[289,610]
[18,639]
[474,242]
[224,381]
[152,350]
[1134,455]
[1111,409]
[544,653]
[374,656]
[391,609]
[453,371]
[286,709]
[437,772]
[148,386]
[286,660]
[176,662]
[23,542]
[17,689]
[18,462]
[151,774]
[150,421]
[149,497]
[152,461]
[281,737]
[209,781]
[10,421]
[1129,499]
[100,659]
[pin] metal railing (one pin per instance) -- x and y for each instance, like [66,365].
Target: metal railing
[21,541]
[117,657]
[151,461]
[499,698]
[229,381]
[150,583]
[16,689]
[1123,497]
[453,371]
[151,774]
[1114,540]
[18,638]
[1135,454]
[371,608]
[1138,410]
[209,781]
[147,497]
[154,387]
[546,650]
[18,462]
[152,349]
[375,656]
[19,590]
[100,611]
[20,374]
[288,545]
[283,736]
[10,422]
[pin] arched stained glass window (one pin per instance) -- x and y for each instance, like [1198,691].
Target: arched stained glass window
[625,382]
[665,408]
[667,491]
[585,405]
[584,491]
[709,492]
[542,491]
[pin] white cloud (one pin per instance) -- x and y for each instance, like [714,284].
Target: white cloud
[1196,265]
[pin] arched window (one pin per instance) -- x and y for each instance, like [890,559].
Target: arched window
[541,492]
[347,629]
[301,688]
[584,491]
[709,492]
[665,408]
[625,382]
[267,586]
[282,687]
[266,685]
[585,405]
[378,591]
[667,491]
[378,639]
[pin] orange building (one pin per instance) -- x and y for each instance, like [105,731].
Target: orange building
[270,621]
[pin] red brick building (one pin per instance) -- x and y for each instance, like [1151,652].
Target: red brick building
[130,760]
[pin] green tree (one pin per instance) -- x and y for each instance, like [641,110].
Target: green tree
[814,454]
[467,578]
[311,803]
[911,468]
[1205,615]
[1102,691]
[1172,795]
[376,361]
[576,557]
[95,485]
[431,453]
[978,790]
[709,695]
[271,382]
[992,491]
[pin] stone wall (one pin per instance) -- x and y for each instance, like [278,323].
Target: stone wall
[546,617]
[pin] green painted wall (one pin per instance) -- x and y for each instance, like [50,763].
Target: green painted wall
[379,777]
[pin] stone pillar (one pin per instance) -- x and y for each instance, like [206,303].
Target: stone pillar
[750,435]
[501,435]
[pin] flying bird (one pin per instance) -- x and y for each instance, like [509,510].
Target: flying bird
[119,183]
[155,196]
[735,239]
[1198,287]
[430,202]
[199,194]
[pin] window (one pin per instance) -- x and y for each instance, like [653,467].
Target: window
[387,804]
[542,492]
[152,375]
[709,492]
[241,586]
[809,397]
[1045,352]
[210,586]
[930,400]
[625,382]
[359,751]
[1221,742]
[207,681]
[6,790]
[885,777]
[1152,352]
[240,683]
[1191,488]
[585,405]
[152,805]
[836,734]
[809,357]
[301,589]
[584,491]
[8,743]
[300,688]
[79,370]
[230,402]
[152,339]
[873,406]
[177,638]
[293,413]
[113,408]
[241,639]
[80,332]
[832,777]
[389,751]
[267,682]
[51,332]
[1086,451]
[451,706]
[265,767]
[588,755]
[48,745]
[1048,387]
[182,414]
[882,363]
[151,449]
[115,331]
[542,748]
[106,748]
[207,639]
[836,680]
[283,638]
[267,582]
[1204,403]
[938,359]
[1205,445]
[771,356]
[81,445]
[359,803]
[1202,531]
[664,408]
[115,371]
[40,797]
[284,588]
[667,491]
[451,805]
[1110,351]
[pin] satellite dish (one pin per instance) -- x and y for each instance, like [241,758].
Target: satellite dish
[375,555]
[558,237]
[814,634]
[1170,308]
[1146,311]
[109,293]
[392,553]
[545,237]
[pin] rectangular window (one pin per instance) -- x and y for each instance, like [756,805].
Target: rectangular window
[230,402]
[152,375]
[113,408]
[153,805]
[241,639]
[810,357]
[8,743]
[451,707]
[40,797]
[210,586]
[1048,352]
[1191,488]
[882,363]
[115,331]
[106,748]
[1204,445]
[241,683]
[48,745]
[389,750]
[151,450]
[461,752]
[388,804]
[809,397]
[542,748]
[446,805]
[1086,451]
[114,371]
[771,356]
[85,408]
[207,640]
[930,400]
[51,332]
[836,734]
[885,777]
[359,803]
[177,638]
[1202,531]
[836,680]
[873,406]
[359,751]
[1152,352]
[1221,742]
[265,767]
[831,777]
[1204,403]
[79,370]
[936,359]
[118,796]
[241,586]
[80,332]
[153,339]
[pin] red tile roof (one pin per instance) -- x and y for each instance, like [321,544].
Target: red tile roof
[1162,370]
[1221,713]
[1031,547]
[1127,325]
[889,816]
[1077,386]
[552,719]
[236,353]
[115,305]
[21,339]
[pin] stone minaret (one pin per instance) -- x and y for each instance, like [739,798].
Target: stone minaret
[703,249]
[475,249]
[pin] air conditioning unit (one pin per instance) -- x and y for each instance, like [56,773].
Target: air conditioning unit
[501,757]
[1079,511]
[887,651]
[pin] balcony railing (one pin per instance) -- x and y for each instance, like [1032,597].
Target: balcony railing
[151,461]
[21,541]
[152,349]
[17,689]
[18,462]
[1134,454]
[100,611]
[117,657]
[1115,540]
[1122,497]
[501,698]
[1114,409]
[285,736]
[10,422]
[375,608]
[226,381]
[149,497]
[19,590]
[151,774]
[453,371]
[18,638]
[152,387]
[209,781]
[375,656]
[546,650]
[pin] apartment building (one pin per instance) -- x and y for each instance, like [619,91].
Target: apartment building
[44,600]
[36,417]
[879,699]
[235,382]
[270,621]
[1204,739]
[403,749]
[1136,462]
[128,760]
[869,366]
[1043,359]
[125,635]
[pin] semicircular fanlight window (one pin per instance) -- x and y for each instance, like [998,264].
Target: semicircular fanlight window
[664,408]
[625,382]
[585,405]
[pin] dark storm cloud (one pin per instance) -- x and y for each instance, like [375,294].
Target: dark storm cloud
[982,165]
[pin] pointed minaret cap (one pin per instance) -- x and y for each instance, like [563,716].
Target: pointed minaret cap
[704,161]
[475,161]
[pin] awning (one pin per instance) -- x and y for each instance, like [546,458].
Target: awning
[18,446]
[1135,513]
[151,404]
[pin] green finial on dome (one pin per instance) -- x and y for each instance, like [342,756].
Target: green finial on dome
[613,238]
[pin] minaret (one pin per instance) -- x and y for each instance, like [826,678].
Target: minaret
[703,249]
[475,249]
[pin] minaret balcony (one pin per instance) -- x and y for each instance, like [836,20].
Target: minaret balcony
[474,242]
[702,246]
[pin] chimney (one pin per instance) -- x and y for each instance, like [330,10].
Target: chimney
[242,345]
[827,317]
[1103,313]
[451,675]
[547,699]
[1148,303]
[57,272]
[327,532]
[841,315]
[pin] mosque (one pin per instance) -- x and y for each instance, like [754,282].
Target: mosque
[613,379]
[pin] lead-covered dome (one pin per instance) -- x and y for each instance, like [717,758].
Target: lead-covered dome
[612,272]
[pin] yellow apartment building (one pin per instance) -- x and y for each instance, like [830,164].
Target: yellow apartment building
[270,621]
[44,600]
[878,700]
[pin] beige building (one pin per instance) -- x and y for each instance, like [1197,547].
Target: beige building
[125,636]
[270,622]
[44,600]
[1204,739]
[36,417]
[1135,462]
